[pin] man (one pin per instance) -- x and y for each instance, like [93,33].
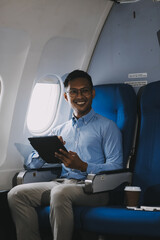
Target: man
[93,143]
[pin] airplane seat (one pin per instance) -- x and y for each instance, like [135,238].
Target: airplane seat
[117,102]
[137,223]
[147,168]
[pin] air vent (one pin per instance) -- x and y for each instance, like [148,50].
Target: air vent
[126,1]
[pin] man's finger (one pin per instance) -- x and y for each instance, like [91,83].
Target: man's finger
[64,152]
[60,156]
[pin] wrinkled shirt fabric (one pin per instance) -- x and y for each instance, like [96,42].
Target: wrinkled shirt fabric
[97,141]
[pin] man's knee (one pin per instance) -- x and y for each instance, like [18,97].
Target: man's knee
[59,195]
[13,195]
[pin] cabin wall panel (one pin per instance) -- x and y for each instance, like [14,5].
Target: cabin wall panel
[128,44]
[42,21]
[14,46]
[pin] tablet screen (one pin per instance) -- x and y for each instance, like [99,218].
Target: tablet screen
[46,147]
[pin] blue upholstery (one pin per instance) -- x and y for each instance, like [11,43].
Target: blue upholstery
[117,102]
[105,220]
[147,169]
[120,221]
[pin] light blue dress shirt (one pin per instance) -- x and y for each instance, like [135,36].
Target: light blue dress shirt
[97,141]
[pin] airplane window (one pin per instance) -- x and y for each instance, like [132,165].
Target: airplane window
[43,105]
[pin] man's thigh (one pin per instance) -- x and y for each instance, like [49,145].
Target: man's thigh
[75,193]
[34,194]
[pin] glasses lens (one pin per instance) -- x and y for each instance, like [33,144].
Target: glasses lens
[73,93]
[85,91]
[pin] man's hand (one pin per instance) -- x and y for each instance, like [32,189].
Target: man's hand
[61,139]
[71,160]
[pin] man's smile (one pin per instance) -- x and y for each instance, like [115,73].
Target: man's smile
[80,102]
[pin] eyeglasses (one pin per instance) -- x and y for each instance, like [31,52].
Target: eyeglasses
[84,91]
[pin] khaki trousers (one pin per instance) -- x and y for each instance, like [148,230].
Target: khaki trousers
[61,195]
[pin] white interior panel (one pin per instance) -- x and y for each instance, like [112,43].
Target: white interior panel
[31,44]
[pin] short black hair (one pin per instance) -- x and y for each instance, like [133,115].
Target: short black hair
[77,74]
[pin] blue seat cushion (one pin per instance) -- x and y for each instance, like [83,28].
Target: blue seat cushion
[109,220]
[122,221]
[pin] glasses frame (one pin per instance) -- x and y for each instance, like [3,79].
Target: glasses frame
[86,91]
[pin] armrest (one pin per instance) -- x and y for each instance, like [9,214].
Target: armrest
[107,180]
[39,175]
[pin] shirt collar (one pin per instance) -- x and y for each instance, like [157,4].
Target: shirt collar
[86,118]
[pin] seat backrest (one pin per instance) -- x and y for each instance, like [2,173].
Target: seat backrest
[147,166]
[118,103]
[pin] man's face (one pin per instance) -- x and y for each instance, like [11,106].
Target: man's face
[79,95]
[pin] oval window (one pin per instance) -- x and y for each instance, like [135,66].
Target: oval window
[43,104]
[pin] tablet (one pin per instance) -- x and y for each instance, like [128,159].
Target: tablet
[46,147]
